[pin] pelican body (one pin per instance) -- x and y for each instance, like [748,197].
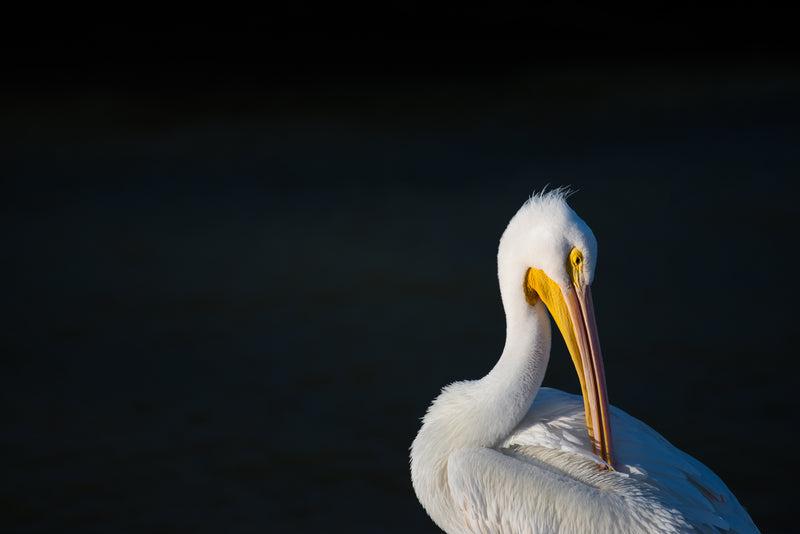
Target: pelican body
[504,455]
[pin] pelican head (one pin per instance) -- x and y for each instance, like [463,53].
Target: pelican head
[552,254]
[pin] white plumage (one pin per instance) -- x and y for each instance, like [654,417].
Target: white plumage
[503,455]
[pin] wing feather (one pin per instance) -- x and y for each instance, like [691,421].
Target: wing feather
[673,478]
[498,492]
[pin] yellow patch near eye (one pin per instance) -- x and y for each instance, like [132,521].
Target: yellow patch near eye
[575,266]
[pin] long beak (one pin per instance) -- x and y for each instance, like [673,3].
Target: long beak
[581,310]
[573,311]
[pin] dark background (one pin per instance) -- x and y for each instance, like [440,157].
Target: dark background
[243,251]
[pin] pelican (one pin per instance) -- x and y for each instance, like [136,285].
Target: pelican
[504,455]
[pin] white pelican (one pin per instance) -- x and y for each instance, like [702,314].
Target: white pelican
[502,454]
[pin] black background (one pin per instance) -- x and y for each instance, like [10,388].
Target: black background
[244,250]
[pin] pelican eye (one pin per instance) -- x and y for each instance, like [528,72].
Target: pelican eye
[576,257]
[575,266]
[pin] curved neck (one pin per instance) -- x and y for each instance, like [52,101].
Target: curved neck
[522,365]
[515,379]
[484,412]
